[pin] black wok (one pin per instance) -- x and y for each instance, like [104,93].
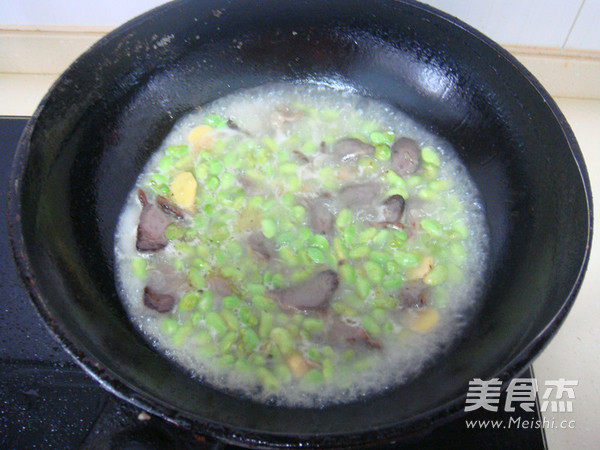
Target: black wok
[83,148]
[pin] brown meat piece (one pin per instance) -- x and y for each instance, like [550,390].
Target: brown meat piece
[169,207]
[340,330]
[220,285]
[313,293]
[301,156]
[393,208]
[321,219]
[351,148]
[413,295]
[359,194]
[260,245]
[151,227]
[405,156]
[161,303]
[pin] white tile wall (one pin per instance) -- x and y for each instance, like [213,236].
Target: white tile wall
[586,30]
[522,22]
[546,23]
[87,13]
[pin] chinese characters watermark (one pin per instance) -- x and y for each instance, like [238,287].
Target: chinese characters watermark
[558,395]
[554,396]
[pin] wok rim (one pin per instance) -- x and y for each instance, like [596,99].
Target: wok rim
[115,384]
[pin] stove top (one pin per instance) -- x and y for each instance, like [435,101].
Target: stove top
[46,400]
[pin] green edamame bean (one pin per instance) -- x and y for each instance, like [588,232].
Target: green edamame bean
[383,152]
[316,255]
[288,168]
[230,318]
[241,365]
[168,325]
[188,301]
[349,235]
[427,194]
[314,354]
[363,287]
[314,376]
[247,316]
[344,310]
[359,251]
[215,167]
[327,368]
[283,340]
[263,302]
[294,183]
[340,249]
[367,234]
[299,212]
[249,338]
[203,337]
[227,180]
[269,228]
[201,172]
[328,351]
[228,341]
[208,351]
[349,354]
[301,275]
[165,164]
[205,302]
[379,256]
[139,267]
[312,324]
[393,282]
[436,276]
[370,325]
[215,121]
[212,182]
[174,231]
[231,301]
[392,267]
[266,324]
[431,226]
[216,322]
[181,335]
[304,233]
[406,259]
[374,271]
[385,302]
[282,372]
[318,241]
[278,280]
[196,278]
[269,380]
[225,360]
[288,255]
[460,228]
[394,179]
[347,273]
[362,364]
[430,156]
[344,218]
[379,314]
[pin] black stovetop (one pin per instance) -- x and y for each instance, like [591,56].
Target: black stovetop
[46,400]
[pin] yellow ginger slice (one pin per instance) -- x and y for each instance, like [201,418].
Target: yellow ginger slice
[420,270]
[183,189]
[200,137]
[425,320]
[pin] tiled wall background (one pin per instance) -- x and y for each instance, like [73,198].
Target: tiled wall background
[569,24]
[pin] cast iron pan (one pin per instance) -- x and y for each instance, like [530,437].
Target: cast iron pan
[90,137]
